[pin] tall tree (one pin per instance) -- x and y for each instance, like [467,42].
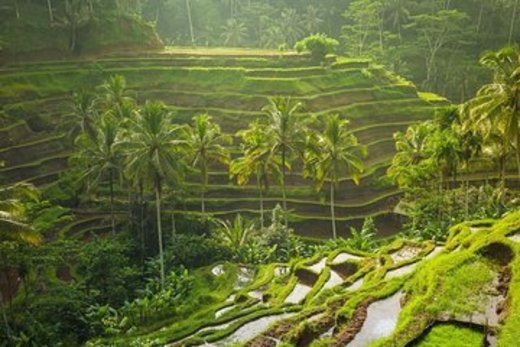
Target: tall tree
[77,14]
[152,154]
[257,160]
[287,132]
[312,19]
[51,11]
[335,153]
[496,108]
[114,95]
[206,144]
[291,25]
[234,32]
[397,14]
[514,13]
[437,31]
[190,21]
[83,115]
[14,224]
[99,158]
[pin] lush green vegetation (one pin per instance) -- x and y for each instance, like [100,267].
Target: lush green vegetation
[291,189]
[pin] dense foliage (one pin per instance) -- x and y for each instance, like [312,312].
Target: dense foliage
[133,158]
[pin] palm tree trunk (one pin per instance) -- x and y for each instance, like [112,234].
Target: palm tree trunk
[441,194]
[174,226]
[332,212]
[4,317]
[141,224]
[112,220]
[480,15]
[518,153]
[204,183]
[190,22]
[51,13]
[159,229]
[261,206]
[466,202]
[513,20]
[16,9]
[284,197]
[73,37]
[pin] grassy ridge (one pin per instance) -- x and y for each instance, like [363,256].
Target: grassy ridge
[233,88]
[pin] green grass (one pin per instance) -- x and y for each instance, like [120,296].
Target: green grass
[451,335]
[451,282]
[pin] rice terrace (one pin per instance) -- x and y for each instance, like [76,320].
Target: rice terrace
[259,173]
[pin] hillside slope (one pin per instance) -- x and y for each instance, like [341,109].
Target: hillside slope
[29,33]
[232,87]
[462,293]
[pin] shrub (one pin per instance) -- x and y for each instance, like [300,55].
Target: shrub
[319,45]
[364,240]
[104,267]
[56,318]
[194,251]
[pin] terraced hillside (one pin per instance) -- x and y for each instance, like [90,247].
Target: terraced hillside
[461,293]
[232,88]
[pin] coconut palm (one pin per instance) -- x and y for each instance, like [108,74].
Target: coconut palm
[397,14]
[312,19]
[497,105]
[287,133]
[51,11]
[234,32]
[113,95]
[14,225]
[272,36]
[291,25]
[471,147]
[334,153]
[99,158]
[190,21]
[257,160]
[76,16]
[82,117]
[206,144]
[152,156]
[411,153]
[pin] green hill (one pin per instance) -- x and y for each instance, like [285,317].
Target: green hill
[232,85]
[28,31]
[461,293]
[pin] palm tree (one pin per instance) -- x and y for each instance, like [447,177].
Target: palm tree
[206,144]
[14,225]
[411,152]
[332,154]
[291,25]
[272,36]
[312,19]
[236,234]
[444,149]
[190,21]
[99,158]
[497,105]
[77,15]
[286,131]
[234,32]
[152,156]
[471,147]
[83,116]
[513,21]
[258,160]
[397,14]
[51,12]
[113,95]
